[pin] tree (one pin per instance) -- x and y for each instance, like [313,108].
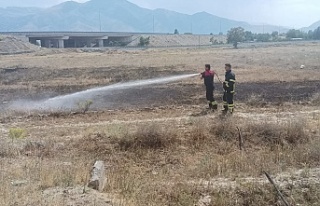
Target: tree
[316,33]
[293,33]
[310,34]
[248,36]
[214,41]
[263,37]
[176,31]
[236,35]
[275,34]
[144,41]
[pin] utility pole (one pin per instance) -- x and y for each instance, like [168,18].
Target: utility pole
[153,23]
[220,27]
[100,19]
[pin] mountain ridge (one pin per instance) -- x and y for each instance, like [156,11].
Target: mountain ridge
[117,16]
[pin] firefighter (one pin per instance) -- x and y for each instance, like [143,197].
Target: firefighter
[229,89]
[208,78]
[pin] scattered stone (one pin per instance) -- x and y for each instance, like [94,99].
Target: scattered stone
[19,183]
[74,196]
[59,146]
[67,164]
[97,180]
[204,201]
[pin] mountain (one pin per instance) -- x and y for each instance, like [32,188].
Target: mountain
[116,16]
[312,27]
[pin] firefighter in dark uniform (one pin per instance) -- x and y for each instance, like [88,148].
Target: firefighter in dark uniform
[229,90]
[208,78]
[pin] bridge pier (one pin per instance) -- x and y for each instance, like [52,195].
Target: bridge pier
[45,43]
[60,43]
[101,43]
[77,39]
[33,41]
[89,42]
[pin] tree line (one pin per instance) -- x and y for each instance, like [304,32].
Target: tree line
[236,35]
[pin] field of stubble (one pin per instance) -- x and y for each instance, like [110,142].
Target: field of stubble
[160,145]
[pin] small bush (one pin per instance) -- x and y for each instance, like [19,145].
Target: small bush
[256,133]
[17,133]
[199,135]
[40,149]
[144,41]
[256,100]
[295,132]
[198,138]
[96,144]
[149,137]
[224,129]
[85,106]
[315,99]
[292,133]
[314,150]
[264,133]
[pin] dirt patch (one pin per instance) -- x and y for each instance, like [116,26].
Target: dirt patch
[13,45]
[180,40]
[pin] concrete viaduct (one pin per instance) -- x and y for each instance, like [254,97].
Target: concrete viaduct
[75,39]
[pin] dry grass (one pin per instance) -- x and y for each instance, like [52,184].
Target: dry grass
[153,164]
[170,161]
[146,163]
[256,101]
[315,99]
[253,65]
[314,150]
[149,137]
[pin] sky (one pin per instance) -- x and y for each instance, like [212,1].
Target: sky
[290,13]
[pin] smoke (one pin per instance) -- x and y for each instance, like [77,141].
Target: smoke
[71,101]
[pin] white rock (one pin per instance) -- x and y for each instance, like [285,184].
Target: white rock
[97,180]
[204,201]
[19,182]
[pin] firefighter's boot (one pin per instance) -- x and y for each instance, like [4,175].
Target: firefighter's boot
[225,108]
[231,108]
[214,105]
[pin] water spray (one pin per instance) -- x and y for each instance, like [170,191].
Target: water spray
[70,101]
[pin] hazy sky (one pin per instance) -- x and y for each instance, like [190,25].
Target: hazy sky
[292,13]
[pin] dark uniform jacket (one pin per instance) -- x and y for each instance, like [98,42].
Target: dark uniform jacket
[229,84]
[208,77]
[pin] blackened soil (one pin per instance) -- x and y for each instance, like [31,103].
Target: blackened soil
[180,93]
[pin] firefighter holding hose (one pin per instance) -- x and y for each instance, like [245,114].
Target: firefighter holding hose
[229,89]
[208,78]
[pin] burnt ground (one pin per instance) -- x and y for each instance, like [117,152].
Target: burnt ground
[38,84]
[180,94]
[175,94]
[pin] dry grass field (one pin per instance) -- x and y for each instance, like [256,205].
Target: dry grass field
[159,146]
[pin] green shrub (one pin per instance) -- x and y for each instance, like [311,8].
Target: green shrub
[144,41]
[17,133]
[85,106]
[150,137]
